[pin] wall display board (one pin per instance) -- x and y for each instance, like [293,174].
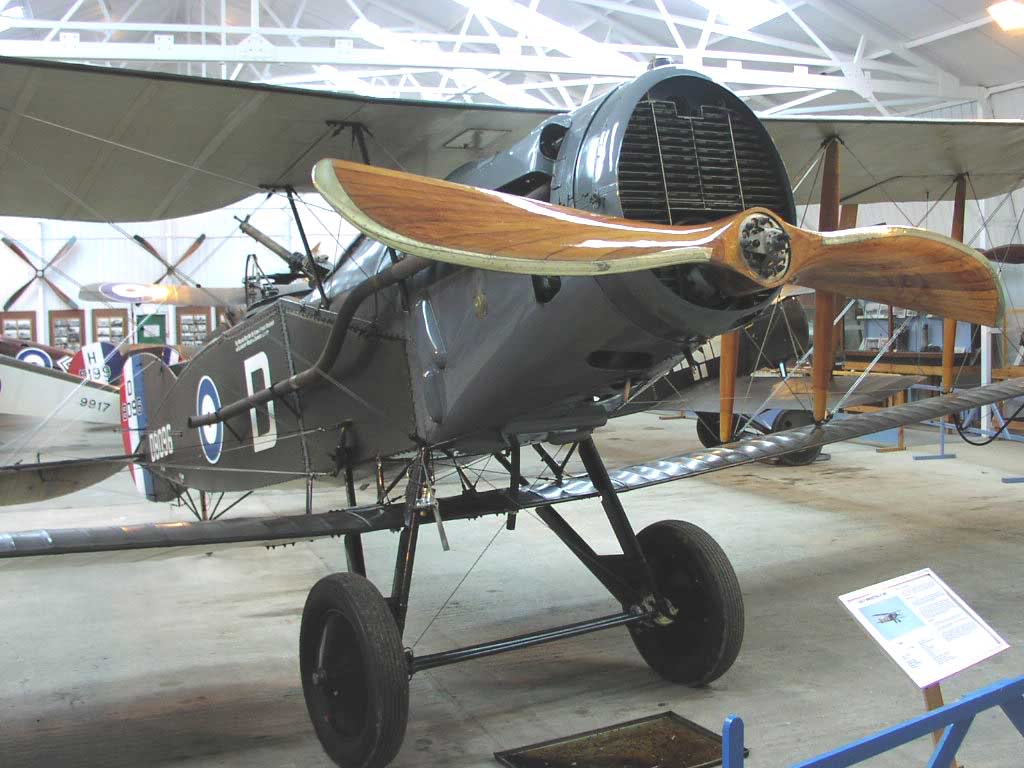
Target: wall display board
[193,326]
[19,325]
[109,325]
[927,629]
[151,329]
[67,329]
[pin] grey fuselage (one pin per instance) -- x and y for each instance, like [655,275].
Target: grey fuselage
[474,360]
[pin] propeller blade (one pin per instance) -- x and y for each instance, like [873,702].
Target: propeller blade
[63,296]
[191,249]
[17,294]
[18,251]
[188,252]
[149,248]
[902,266]
[63,250]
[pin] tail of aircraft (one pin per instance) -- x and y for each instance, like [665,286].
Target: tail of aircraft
[145,380]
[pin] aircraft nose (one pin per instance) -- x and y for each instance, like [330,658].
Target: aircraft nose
[766,247]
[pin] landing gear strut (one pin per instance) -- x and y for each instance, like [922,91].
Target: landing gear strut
[679,595]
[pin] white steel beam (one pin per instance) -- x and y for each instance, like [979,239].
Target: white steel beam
[262,52]
[967,26]
[793,103]
[725,30]
[875,31]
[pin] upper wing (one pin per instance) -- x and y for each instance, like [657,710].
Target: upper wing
[134,146]
[26,548]
[887,159]
[902,266]
[91,143]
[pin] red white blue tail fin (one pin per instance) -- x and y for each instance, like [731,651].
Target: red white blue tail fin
[145,380]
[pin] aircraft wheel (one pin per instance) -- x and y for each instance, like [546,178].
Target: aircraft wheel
[707,428]
[791,420]
[354,673]
[694,574]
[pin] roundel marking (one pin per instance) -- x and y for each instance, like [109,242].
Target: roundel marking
[35,356]
[211,436]
[134,293]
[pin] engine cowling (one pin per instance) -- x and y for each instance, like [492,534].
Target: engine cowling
[670,147]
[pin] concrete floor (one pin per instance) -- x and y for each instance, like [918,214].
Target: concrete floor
[193,661]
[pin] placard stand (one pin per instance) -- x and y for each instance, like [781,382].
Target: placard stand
[932,701]
[929,631]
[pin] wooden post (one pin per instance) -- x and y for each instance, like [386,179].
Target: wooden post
[824,304]
[932,701]
[728,362]
[900,398]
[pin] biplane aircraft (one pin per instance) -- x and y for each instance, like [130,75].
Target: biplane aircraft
[516,271]
[894,617]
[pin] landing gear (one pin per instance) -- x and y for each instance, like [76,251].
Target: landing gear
[792,420]
[707,428]
[679,596]
[354,675]
[695,577]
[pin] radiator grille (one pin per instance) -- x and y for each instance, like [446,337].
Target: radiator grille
[683,169]
[691,169]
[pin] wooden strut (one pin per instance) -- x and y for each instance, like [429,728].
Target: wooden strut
[847,220]
[729,349]
[949,323]
[824,301]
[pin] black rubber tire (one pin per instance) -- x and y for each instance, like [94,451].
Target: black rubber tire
[359,709]
[693,572]
[791,420]
[707,428]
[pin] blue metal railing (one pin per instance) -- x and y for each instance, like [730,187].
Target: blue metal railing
[954,719]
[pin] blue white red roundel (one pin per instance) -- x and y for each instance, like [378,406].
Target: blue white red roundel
[135,293]
[212,435]
[35,356]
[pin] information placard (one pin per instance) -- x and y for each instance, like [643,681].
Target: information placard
[924,626]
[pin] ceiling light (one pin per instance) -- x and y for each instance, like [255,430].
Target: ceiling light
[745,14]
[1009,14]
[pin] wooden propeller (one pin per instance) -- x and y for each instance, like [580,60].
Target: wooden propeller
[903,266]
[40,273]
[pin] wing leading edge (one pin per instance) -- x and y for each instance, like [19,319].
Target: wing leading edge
[135,146]
[141,542]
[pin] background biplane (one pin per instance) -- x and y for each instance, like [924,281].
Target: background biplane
[569,257]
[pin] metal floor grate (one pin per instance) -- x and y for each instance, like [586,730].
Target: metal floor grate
[665,740]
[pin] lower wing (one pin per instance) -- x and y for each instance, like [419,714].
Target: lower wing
[139,542]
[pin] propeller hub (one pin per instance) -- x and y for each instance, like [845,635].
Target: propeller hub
[765,246]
